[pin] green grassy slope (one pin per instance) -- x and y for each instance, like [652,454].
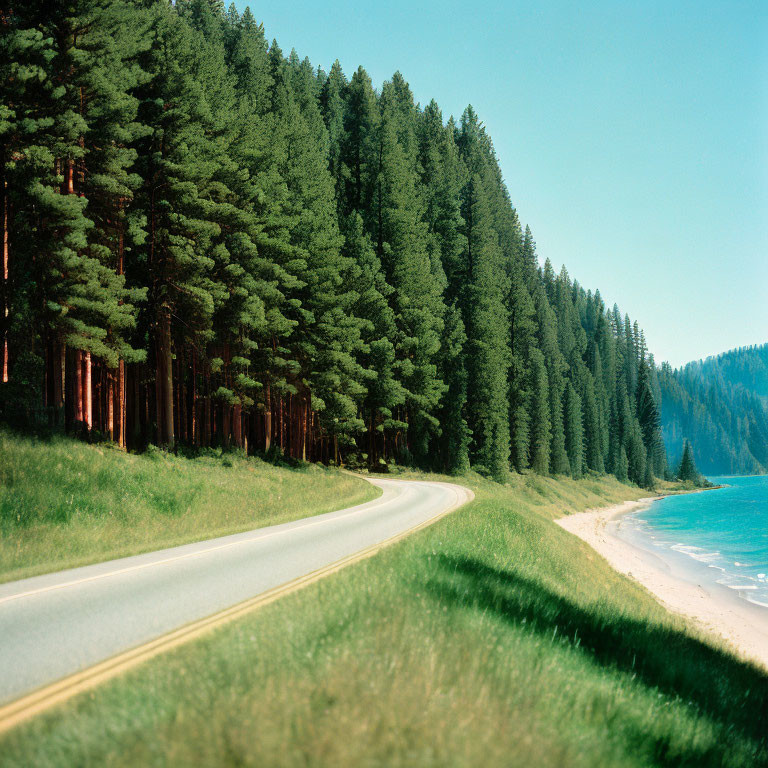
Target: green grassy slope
[64,503]
[493,638]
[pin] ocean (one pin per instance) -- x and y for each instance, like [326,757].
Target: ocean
[724,531]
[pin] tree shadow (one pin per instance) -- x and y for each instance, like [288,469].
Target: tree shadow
[727,690]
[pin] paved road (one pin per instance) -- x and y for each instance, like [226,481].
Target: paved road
[55,625]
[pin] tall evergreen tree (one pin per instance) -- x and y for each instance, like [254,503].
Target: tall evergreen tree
[574,430]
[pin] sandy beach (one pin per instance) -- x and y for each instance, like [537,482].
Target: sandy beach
[714,608]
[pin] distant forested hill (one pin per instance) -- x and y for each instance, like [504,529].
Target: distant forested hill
[721,405]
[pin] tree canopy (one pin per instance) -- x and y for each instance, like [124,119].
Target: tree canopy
[210,242]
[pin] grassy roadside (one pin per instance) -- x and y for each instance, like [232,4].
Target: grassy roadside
[493,638]
[64,503]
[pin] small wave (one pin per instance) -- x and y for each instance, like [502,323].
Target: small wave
[757,602]
[687,548]
[697,553]
[739,586]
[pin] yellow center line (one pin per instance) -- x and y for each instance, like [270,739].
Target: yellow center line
[44,698]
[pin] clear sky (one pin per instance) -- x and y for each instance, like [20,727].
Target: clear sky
[633,136]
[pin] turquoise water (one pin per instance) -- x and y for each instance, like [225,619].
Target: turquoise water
[725,530]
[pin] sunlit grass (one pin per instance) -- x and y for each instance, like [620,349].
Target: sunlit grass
[493,638]
[64,503]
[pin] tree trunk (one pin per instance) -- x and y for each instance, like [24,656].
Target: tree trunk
[237,425]
[78,391]
[146,393]
[226,429]
[165,424]
[87,392]
[111,404]
[70,178]
[193,395]
[372,451]
[207,433]
[179,409]
[4,297]
[267,417]
[55,381]
[121,404]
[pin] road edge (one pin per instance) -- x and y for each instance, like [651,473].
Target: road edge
[37,702]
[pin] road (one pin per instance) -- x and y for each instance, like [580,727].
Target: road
[56,625]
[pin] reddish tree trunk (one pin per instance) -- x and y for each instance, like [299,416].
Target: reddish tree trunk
[78,391]
[98,404]
[121,404]
[87,392]
[111,404]
[267,417]
[70,178]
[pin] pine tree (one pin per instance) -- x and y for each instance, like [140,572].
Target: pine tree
[647,412]
[525,379]
[687,471]
[541,433]
[441,181]
[384,392]
[27,179]
[401,239]
[574,431]
[553,359]
[456,436]
[327,336]
[79,124]
[182,201]
[483,308]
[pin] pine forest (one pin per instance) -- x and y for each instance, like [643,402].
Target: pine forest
[207,242]
[721,405]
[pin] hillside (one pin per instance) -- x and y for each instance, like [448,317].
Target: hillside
[721,405]
[98,503]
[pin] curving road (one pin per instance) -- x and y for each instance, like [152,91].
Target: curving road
[55,625]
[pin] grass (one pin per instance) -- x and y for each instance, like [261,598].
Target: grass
[64,503]
[493,638]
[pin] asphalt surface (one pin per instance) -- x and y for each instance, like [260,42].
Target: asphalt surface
[54,625]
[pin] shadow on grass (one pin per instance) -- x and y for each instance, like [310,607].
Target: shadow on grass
[728,691]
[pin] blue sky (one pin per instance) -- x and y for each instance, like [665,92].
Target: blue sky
[633,137]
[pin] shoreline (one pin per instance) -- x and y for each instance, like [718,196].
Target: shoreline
[682,590]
